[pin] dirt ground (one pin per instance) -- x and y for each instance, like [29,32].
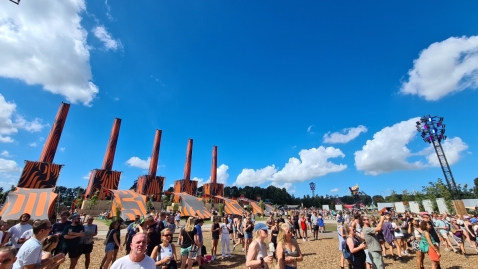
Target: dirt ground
[324,252]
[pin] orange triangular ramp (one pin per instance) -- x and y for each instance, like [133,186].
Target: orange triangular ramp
[191,205]
[130,203]
[39,203]
[231,206]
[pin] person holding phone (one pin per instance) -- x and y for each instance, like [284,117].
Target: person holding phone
[165,253]
[288,252]
[356,247]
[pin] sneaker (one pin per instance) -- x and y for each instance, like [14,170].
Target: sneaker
[447,249]
[213,258]
[242,250]
[306,239]
[223,257]
[303,239]
[406,252]
[233,248]
[230,256]
[403,252]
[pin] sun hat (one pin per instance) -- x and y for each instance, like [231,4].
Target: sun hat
[260,226]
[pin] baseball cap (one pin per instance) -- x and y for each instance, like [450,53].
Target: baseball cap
[473,220]
[260,226]
[340,220]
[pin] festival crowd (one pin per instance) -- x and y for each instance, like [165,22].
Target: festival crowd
[365,239]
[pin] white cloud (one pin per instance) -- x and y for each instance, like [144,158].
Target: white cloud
[87,176]
[108,11]
[444,68]
[288,186]
[8,166]
[347,135]
[387,151]
[137,162]
[200,181]
[45,44]
[334,190]
[313,163]
[251,177]
[309,129]
[62,149]
[222,174]
[105,37]
[32,144]
[452,148]
[5,154]
[8,126]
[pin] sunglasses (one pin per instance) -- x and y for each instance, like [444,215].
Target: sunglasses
[364,219]
[167,234]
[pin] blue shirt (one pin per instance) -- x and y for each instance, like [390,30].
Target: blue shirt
[131,231]
[199,232]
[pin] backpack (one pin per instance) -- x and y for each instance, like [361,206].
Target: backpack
[346,251]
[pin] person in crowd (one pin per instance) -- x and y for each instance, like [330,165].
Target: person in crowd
[225,239]
[389,236]
[30,254]
[215,230]
[369,234]
[7,257]
[303,227]
[57,229]
[16,231]
[137,257]
[273,235]
[469,232]
[430,244]
[308,216]
[433,233]
[240,234]
[71,240]
[154,238]
[177,218]
[315,226]
[130,232]
[112,240]
[198,226]
[341,234]
[416,233]
[457,233]
[257,256]
[188,237]
[356,247]
[165,253]
[320,224]
[3,228]
[27,234]
[295,219]
[48,245]
[171,225]
[442,228]
[270,222]
[291,224]
[249,227]
[287,251]
[399,237]
[161,223]
[86,242]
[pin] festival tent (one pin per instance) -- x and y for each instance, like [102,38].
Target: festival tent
[39,203]
[129,202]
[192,205]
[269,208]
[231,206]
[256,209]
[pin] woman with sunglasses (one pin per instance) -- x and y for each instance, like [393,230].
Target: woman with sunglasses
[416,233]
[215,230]
[240,234]
[273,234]
[288,251]
[356,247]
[165,253]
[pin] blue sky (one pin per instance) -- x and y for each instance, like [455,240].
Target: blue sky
[290,93]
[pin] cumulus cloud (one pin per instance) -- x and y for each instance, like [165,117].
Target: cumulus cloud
[388,151]
[222,174]
[137,162]
[62,149]
[347,135]
[46,45]
[8,166]
[251,177]
[87,176]
[5,154]
[105,37]
[33,144]
[334,190]
[313,163]
[444,68]
[288,186]
[10,121]
[452,147]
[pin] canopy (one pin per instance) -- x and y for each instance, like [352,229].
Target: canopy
[256,209]
[39,203]
[231,206]
[269,208]
[129,202]
[192,205]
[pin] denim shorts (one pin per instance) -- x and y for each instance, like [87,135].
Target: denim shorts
[248,235]
[185,251]
[290,267]
[110,247]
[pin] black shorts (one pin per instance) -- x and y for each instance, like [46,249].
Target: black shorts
[215,237]
[239,235]
[86,248]
[73,253]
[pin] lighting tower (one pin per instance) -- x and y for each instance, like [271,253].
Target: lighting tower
[312,188]
[15,1]
[433,131]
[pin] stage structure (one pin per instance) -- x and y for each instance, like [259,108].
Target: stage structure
[150,184]
[106,179]
[44,173]
[354,191]
[432,130]
[312,188]
[186,185]
[213,189]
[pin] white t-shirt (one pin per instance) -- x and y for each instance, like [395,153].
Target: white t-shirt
[224,229]
[29,253]
[397,233]
[27,234]
[126,263]
[16,232]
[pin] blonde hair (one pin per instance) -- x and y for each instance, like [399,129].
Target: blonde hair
[282,233]
[165,230]
[189,224]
